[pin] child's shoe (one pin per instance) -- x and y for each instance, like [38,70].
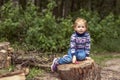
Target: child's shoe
[54,65]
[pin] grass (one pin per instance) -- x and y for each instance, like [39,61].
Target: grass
[102,58]
[34,72]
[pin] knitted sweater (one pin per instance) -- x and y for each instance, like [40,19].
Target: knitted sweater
[80,42]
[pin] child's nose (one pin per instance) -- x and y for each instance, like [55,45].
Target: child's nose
[80,28]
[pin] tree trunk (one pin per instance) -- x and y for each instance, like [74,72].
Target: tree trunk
[1,2]
[117,7]
[84,70]
[23,3]
[17,75]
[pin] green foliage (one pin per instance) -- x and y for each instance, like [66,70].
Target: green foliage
[9,24]
[46,33]
[42,31]
[39,30]
[111,39]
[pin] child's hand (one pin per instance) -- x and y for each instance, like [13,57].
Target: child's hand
[88,57]
[74,59]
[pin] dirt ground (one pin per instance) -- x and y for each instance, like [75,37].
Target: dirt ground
[110,71]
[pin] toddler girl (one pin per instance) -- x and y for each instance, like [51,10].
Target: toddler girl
[79,45]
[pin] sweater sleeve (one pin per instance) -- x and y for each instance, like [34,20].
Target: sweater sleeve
[87,45]
[73,45]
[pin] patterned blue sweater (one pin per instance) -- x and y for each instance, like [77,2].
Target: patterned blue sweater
[80,41]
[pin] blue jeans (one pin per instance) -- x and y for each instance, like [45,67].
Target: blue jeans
[80,55]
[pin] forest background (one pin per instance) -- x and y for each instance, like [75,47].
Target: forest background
[46,25]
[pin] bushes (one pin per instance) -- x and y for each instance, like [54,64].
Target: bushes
[45,33]
[9,22]
[111,38]
[42,31]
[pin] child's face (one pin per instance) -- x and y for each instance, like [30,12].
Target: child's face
[80,28]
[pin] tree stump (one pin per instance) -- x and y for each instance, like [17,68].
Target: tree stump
[4,45]
[83,70]
[5,58]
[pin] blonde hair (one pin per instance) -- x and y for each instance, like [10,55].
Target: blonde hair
[80,20]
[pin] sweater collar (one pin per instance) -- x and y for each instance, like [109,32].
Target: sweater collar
[78,34]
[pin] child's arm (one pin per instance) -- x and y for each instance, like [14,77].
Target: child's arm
[87,46]
[73,45]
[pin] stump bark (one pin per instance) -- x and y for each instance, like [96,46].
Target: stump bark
[83,70]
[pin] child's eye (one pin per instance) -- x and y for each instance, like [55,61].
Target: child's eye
[79,26]
[83,26]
